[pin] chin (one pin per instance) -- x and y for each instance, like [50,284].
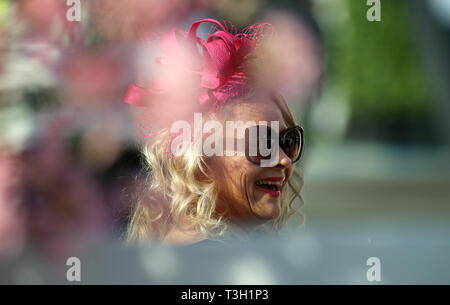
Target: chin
[269,211]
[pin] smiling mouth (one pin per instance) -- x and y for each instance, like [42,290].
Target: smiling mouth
[272,188]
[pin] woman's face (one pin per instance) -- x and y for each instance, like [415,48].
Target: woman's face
[242,185]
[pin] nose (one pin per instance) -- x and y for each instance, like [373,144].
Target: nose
[283,160]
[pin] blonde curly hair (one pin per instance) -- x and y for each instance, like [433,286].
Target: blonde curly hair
[181,190]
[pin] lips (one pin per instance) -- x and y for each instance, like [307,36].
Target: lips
[271,185]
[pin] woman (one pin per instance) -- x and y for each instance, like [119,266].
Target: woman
[190,196]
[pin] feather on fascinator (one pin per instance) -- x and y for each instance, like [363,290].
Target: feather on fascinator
[220,67]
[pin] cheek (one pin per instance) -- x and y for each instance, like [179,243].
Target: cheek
[231,174]
[289,172]
[227,172]
[239,171]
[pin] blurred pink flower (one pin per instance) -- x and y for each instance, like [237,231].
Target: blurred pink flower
[92,80]
[293,55]
[132,19]
[40,15]
[12,227]
[62,202]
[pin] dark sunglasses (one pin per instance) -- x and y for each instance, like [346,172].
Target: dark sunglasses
[291,141]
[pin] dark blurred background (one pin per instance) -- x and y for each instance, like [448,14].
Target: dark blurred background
[373,98]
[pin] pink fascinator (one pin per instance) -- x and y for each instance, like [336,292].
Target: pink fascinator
[220,66]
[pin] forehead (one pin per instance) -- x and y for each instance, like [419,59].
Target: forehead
[261,109]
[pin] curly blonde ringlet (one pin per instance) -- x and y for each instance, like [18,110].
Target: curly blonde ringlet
[180,191]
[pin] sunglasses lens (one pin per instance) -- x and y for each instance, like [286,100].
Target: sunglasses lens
[291,143]
[258,143]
